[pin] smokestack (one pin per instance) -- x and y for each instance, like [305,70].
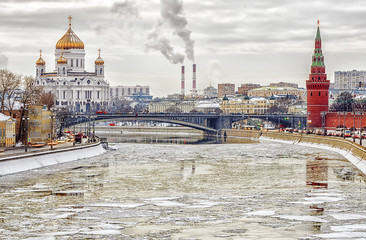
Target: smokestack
[194,90]
[182,82]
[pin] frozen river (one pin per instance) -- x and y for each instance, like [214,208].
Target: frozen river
[174,189]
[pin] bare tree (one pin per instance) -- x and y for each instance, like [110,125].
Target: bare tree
[30,96]
[9,86]
[47,99]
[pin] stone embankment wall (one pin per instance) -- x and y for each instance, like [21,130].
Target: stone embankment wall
[25,162]
[355,153]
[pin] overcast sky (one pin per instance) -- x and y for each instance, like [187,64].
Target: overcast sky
[235,41]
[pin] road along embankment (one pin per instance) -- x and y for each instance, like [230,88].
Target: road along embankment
[25,162]
[353,152]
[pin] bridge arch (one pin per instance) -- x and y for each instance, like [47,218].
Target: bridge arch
[165,120]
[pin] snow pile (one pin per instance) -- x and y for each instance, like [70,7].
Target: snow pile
[30,161]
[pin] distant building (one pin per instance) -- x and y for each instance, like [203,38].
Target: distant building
[225,89]
[267,92]
[7,131]
[349,80]
[210,92]
[39,124]
[284,84]
[246,105]
[244,88]
[124,91]
[171,106]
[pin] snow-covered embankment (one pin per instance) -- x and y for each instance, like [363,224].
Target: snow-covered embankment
[37,160]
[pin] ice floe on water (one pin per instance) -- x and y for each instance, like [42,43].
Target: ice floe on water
[345,216]
[262,213]
[166,191]
[302,218]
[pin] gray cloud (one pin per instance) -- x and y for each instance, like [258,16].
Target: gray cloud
[3,61]
[126,9]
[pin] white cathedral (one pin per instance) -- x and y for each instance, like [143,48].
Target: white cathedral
[73,87]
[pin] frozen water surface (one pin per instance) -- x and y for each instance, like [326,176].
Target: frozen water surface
[172,190]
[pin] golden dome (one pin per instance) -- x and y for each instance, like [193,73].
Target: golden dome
[62,59]
[99,60]
[40,60]
[70,40]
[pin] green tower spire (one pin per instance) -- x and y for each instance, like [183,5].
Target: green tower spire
[318,59]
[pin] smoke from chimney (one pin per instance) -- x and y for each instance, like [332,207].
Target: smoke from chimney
[172,14]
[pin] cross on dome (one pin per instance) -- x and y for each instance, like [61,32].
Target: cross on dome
[70,20]
[99,51]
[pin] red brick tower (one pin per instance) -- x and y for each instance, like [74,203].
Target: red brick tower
[317,86]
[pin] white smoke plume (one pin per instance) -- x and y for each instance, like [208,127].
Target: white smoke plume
[163,45]
[172,14]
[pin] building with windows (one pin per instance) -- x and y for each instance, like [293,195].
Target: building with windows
[7,131]
[171,106]
[73,87]
[349,80]
[284,84]
[246,105]
[39,124]
[267,92]
[210,92]
[244,88]
[124,91]
[225,89]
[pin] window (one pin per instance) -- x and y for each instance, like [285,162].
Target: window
[41,71]
[72,62]
[88,82]
[77,62]
[311,93]
[319,93]
[101,71]
[98,94]
[63,70]
[64,94]
[81,62]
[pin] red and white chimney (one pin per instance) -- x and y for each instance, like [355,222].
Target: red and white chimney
[182,82]
[194,89]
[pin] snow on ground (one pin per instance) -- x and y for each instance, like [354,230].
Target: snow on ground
[38,161]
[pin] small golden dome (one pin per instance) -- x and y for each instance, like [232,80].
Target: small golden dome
[70,40]
[62,59]
[40,60]
[99,60]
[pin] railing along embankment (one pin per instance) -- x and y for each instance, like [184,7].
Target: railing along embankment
[354,152]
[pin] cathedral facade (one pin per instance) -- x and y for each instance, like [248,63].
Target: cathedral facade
[73,87]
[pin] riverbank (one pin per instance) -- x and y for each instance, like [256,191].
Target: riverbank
[353,152]
[33,160]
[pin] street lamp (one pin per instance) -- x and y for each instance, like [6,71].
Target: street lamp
[323,114]
[25,120]
[52,116]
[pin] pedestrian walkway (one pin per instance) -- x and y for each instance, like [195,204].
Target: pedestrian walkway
[21,150]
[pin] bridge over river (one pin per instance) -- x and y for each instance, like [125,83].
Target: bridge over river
[209,123]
